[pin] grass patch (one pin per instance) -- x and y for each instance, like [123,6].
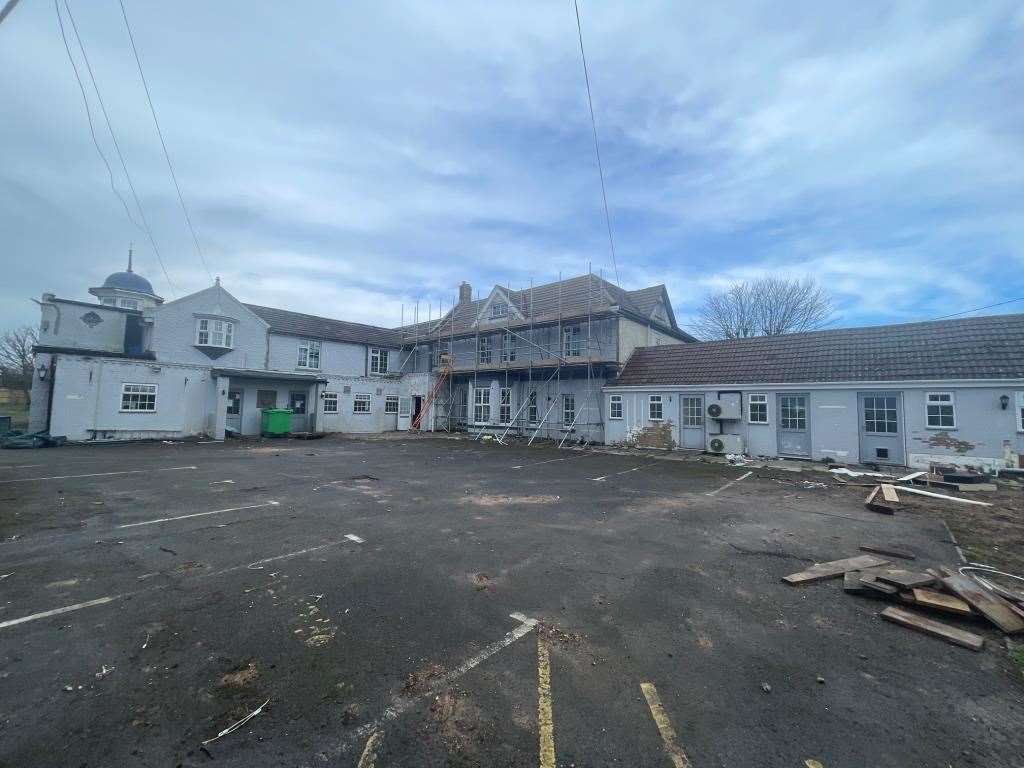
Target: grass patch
[18,414]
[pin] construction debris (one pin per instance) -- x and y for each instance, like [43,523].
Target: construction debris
[943,496]
[887,549]
[995,609]
[876,506]
[239,724]
[934,628]
[929,598]
[828,570]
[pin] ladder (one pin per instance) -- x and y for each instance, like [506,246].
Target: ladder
[441,379]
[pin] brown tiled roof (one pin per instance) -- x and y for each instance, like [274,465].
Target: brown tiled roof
[970,348]
[313,327]
[572,299]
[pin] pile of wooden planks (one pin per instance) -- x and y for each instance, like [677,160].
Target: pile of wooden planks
[942,593]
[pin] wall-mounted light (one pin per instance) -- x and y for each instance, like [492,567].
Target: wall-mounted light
[1004,401]
[42,370]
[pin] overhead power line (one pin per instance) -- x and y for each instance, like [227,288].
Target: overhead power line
[117,147]
[7,9]
[978,309]
[92,128]
[163,144]
[597,146]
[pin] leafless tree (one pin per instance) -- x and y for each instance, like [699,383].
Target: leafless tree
[16,357]
[767,306]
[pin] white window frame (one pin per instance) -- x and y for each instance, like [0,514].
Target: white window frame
[210,329]
[571,341]
[391,404]
[442,349]
[108,301]
[138,394]
[379,360]
[653,400]
[129,303]
[330,402]
[938,404]
[757,398]
[482,405]
[505,405]
[508,347]
[568,409]
[692,418]
[362,399]
[1019,397]
[614,400]
[532,413]
[499,309]
[309,354]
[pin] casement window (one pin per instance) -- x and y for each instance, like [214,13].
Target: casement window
[391,404]
[505,406]
[940,410]
[138,398]
[483,350]
[499,309]
[615,407]
[1020,411]
[568,409]
[129,303]
[297,403]
[266,398]
[442,349]
[571,341]
[482,405]
[655,412]
[693,411]
[361,403]
[378,360]
[508,349]
[531,409]
[330,402]
[880,414]
[110,301]
[215,333]
[757,409]
[309,354]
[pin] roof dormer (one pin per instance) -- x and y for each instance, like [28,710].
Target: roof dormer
[498,308]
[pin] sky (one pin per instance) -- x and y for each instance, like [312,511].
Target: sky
[351,159]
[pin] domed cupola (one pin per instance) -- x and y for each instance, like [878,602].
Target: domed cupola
[127,290]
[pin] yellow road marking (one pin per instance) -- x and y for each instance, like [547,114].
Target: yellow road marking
[668,733]
[369,757]
[544,719]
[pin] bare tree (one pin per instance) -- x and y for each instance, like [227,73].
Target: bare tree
[767,306]
[16,355]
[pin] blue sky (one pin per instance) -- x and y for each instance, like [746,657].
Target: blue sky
[346,159]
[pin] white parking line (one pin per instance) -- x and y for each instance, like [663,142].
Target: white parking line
[96,474]
[356,539]
[550,461]
[58,611]
[623,472]
[744,476]
[199,514]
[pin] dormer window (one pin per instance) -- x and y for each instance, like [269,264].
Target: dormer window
[499,309]
[215,333]
[109,301]
[309,354]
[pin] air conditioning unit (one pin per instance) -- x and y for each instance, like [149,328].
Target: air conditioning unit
[726,407]
[725,444]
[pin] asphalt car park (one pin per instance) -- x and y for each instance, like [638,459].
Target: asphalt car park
[431,601]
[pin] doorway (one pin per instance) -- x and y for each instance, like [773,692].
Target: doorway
[417,406]
[234,417]
[881,430]
[297,404]
[691,421]
[794,430]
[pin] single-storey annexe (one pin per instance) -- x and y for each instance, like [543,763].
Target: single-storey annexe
[949,391]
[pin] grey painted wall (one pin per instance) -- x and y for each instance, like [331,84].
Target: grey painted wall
[61,325]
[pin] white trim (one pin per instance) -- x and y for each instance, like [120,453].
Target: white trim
[333,397]
[307,344]
[155,391]
[381,352]
[1019,398]
[661,407]
[362,397]
[750,410]
[804,386]
[928,402]
[617,399]
[388,399]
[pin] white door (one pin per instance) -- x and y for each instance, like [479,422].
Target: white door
[404,412]
[234,416]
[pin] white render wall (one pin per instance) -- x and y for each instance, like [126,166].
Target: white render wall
[61,325]
[986,436]
[336,358]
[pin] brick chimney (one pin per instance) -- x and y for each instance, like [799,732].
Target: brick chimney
[465,293]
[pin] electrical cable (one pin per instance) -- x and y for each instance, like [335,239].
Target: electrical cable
[163,144]
[978,309]
[117,147]
[597,146]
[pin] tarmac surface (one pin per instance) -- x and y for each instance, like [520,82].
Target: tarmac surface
[420,601]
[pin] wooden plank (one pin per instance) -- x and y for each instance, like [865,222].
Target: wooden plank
[887,549]
[921,492]
[852,583]
[889,493]
[950,634]
[994,608]
[909,478]
[929,598]
[872,503]
[871,583]
[904,579]
[821,571]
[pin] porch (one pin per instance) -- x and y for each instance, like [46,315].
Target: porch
[243,395]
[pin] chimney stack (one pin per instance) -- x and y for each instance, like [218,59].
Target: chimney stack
[465,293]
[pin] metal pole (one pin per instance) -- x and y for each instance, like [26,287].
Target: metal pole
[553,403]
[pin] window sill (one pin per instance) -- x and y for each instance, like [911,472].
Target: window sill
[941,429]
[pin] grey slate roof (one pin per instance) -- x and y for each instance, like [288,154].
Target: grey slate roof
[313,327]
[576,296]
[989,347]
